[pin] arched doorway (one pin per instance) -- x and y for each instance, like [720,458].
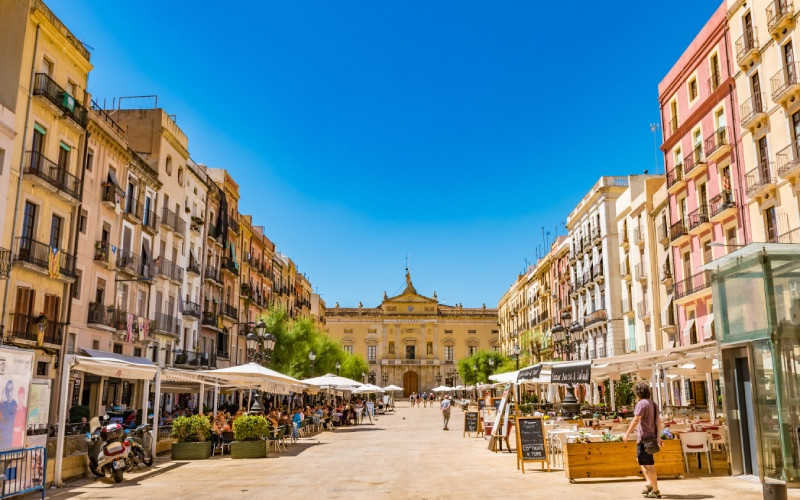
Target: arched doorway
[410,383]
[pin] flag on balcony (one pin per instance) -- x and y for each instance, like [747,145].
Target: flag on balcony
[219,322]
[141,328]
[129,335]
[146,327]
[54,263]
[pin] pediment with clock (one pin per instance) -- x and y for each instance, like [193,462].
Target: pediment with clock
[410,302]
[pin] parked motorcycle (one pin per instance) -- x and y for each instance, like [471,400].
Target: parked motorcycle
[141,449]
[108,449]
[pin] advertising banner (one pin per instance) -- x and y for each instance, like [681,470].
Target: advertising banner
[16,371]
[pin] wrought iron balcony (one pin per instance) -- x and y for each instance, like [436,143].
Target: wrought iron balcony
[598,316]
[753,111]
[168,269]
[131,263]
[747,48]
[194,360]
[638,236]
[717,144]
[692,284]
[661,233]
[41,254]
[210,319]
[723,204]
[165,323]
[230,265]
[109,316]
[642,309]
[101,251]
[50,173]
[785,84]
[133,209]
[28,327]
[787,161]
[149,221]
[695,162]
[760,179]
[780,16]
[172,221]
[191,309]
[698,218]
[678,230]
[44,86]
[230,311]
[194,266]
[624,268]
[212,274]
[641,272]
[675,177]
[108,193]
[233,223]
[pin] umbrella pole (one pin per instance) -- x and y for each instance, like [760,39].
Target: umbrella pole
[216,397]
[249,399]
[200,398]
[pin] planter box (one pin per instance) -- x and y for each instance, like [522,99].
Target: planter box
[248,449]
[191,451]
[615,459]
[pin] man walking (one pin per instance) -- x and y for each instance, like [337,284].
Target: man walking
[445,407]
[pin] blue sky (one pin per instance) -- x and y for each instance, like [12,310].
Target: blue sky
[360,132]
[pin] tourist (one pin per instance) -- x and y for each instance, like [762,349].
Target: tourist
[413,399]
[445,407]
[645,421]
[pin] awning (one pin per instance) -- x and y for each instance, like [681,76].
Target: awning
[686,333]
[572,373]
[707,327]
[112,179]
[505,377]
[109,364]
[256,376]
[529,374]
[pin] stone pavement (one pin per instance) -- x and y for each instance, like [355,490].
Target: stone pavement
[401,455]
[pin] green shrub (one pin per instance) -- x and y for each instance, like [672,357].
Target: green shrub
[76,412]
[194,429]
[250,428]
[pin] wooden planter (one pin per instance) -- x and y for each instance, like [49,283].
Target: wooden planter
[191,451]
[248,449]
[616,459]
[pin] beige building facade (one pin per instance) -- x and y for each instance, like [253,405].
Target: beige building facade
[412,340]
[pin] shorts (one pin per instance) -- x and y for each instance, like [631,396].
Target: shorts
[642,456]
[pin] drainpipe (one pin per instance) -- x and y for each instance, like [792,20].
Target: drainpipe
[735,140]
[19,182]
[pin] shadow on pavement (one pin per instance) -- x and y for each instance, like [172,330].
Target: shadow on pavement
[357,428]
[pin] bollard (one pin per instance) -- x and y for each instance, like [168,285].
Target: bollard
[775,491]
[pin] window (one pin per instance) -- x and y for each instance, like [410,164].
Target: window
[41,368]
[348,349]
[96,345]
[63,156]
[82,221]
[411,352]
[758,99]
[28,224]
[117,348]
[771,223]
[707,254]
[693,89]
[673,121]
[372,352]
[2,159]
[715,76]
[168,169]
[448,353]
[89,160]
[471,350]
[71,343]
[472,331]
[137,351]
[731,237]
[55,231]
[448,331]
[76,287]
[47,67]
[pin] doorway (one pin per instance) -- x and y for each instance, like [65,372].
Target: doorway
[410,383]
[740,400]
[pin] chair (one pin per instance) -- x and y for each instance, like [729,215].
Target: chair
[276,438]
[717,439]
[695,442]
[226,440]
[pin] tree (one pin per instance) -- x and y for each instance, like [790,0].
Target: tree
[481,360]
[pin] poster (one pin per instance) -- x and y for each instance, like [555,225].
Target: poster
[38,412]
[16,371]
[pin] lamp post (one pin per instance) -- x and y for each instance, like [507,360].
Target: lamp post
[338,365]
[439,378]
[312,356]
[516,355]
[567,346]
[491,366]
[363,377]
[475,371]
[372,376]
[260,344]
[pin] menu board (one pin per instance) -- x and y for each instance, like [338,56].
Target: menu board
[531,446]
[470,421]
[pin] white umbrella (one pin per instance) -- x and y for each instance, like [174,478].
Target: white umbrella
[333,381]
[596,401]
[392,388]
[441,388]
[255,375]
[368,389]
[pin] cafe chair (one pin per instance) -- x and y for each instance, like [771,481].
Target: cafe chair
[695,442]
[276,438]
[717,439]
[225,442]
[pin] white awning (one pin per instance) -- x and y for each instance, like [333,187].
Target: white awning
[707,331]
[687,330]
[109,364]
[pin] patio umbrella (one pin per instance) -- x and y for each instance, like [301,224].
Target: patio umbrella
[368,389]
[392,388]
[330,380]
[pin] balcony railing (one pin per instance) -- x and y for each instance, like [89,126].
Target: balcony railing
[778,11]
[638,237]
[133,207]
[792,236]
[230,311]
[45,86]
[746,45]
[787,160]
[150,220]
[677,230]
[752,108]
[230,265]
[692,284]
[132,263]
[41,254]
[212,273]
[698,217]
[597,316]
[661,233]
[210,319]
[172,221]
[675,175]
[109,316]
[101,251]
[234,225]
[166,323]
[641,272]
[783,81]
[53,174]
[168,269]
[624,268]
[642,309]
[722,202]
[716,141]
[194,266]
[27,327]
[760,177]
[195,359]
[191,309]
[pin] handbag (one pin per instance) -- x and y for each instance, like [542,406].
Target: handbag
[651,444]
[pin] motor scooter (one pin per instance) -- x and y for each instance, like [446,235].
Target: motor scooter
[108,449]
[141,449]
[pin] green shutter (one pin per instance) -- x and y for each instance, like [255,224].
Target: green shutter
[39,128]
[65,147]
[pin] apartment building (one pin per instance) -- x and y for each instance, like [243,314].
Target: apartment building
[45,79]
[705,179]
[663,290]
[195,195]
[513,311]
[764,35]
[204,354]
[639,265]
[561,299]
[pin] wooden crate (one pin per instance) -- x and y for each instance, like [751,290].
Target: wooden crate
[615,459]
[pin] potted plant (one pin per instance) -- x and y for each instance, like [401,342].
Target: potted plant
[249,437]
[192,434]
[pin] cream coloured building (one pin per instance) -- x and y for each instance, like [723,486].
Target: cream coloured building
[412,339]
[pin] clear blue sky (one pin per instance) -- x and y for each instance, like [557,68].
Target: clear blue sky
[361,131]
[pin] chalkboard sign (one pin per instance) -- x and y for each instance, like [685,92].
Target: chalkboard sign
[531,444]
[470,422]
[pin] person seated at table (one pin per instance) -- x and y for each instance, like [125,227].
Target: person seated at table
[220,424]
[297,419]
[284,418]
[272,418]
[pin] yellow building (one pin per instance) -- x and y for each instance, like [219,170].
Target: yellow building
[48,69]
[412,340]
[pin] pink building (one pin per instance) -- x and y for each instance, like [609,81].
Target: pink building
[705,175]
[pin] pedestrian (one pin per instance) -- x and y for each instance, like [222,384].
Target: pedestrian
[424,399]
[445,407]
[645,421]
[413,399]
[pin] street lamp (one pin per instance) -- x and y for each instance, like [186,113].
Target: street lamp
[439,378]
[372,377]
[312,356]
[567,346]
[491,366]
[338,365]
[363,377]
[516,355]
[475,371]
[260,344]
